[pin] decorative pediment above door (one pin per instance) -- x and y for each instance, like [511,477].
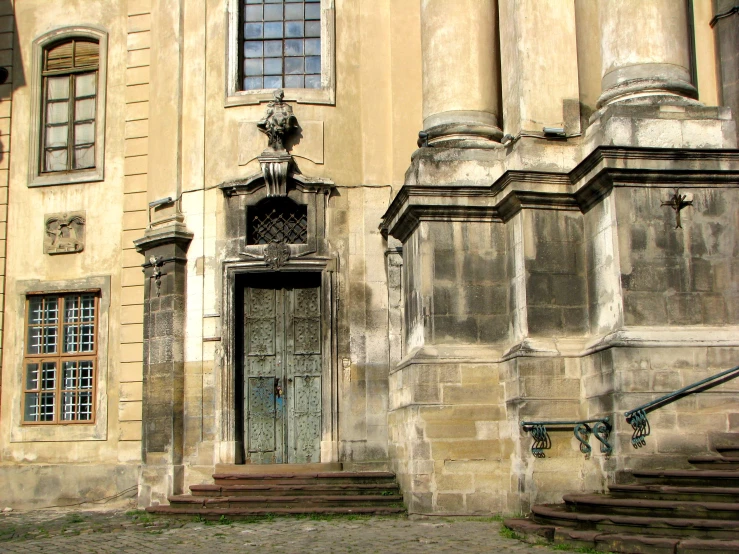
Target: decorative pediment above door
[278,214]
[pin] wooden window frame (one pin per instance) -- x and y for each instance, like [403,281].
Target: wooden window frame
[59,358]
[71,73]
[37,177]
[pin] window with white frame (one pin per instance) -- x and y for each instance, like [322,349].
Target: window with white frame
[60,359]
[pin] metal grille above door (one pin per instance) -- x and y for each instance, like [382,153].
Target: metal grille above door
[277,220]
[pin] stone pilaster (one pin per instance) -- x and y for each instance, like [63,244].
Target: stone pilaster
[461,82]
[163,388]
[644,51]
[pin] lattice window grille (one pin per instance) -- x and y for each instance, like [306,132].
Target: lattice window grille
[281,221]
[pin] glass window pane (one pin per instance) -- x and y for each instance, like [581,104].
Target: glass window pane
[253,30]
[84,133]
[56,160]
[88,338]
[49,340]
[85,375]
[252,83]
[313,28]
[273,49]
[273,30]
[294,29]
[312,81]
[273,13]
[57,136]
[51,309]
[84,109]
[294,11]
[57,112]
[85,406]
[294,47]
[88,307]
[31,407]
[294,66]
[84,157]
[313,11]
[69,410]
[58,88]
[254,1]
[273,66]
[313,47]
[254,13]
[253,67]
[71,309]
[32,376]
[48,376]
[313,64]
[294,81]
[71,338]
[253,49]
[35,306]
[273,1]
[69,375]
[272,82]
[34,340]
[46,409]
[85,85]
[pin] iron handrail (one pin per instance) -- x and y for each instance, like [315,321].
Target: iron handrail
[637,417]
[582,430]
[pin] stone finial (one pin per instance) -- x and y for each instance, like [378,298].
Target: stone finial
[279,123]
[64,233]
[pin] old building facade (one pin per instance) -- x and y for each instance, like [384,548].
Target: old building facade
[383,233]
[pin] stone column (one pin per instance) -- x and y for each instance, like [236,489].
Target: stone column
[644,50]
[461,82]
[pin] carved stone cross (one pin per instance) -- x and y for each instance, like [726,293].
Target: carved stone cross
[677,203]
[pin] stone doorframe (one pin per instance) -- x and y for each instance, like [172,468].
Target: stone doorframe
[228,398]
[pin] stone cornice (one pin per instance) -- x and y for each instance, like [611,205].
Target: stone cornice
[255,182]
[592,179]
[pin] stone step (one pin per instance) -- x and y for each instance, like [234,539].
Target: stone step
[559,515]
[267,502]
[687,477]
[261,469]
[293,489]
[240,513]
[720,463]
[671,492]
[619,542]
[331,477]
[730,451]
[605,504]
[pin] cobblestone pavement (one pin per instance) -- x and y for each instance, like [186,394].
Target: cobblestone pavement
[135,531]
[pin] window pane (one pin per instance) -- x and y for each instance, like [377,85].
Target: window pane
[71,338]
[71,309]
[31,407]
[85,375]
[34,340]
[273,48]
[313,11]
[48,376]
[294,47]
[313,47]
[294,65]
[57,112]
[313,28]
[253,13]
[32,377]
[294,11]
[35,306]
[88,307]
[69,410]
[272,82]
[294,29]
[49,340]
[252,83]
[294,81]
[273,30]
[57,136]
[253,67]
[253,30]
[253,49]
[46,408]
[51,309]
[253,1]
[58,88]
[84,157]
[84,109]
[273,66]
[88,338]
[313,64]
[85,85]
[85,406]
[56,160]
[273,13]
[312,81]
[272,1]
[84,133]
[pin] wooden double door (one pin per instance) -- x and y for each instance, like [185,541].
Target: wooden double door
[282,368]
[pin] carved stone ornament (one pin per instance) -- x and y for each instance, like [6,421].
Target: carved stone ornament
[281,126]
[64,233]
[276,254]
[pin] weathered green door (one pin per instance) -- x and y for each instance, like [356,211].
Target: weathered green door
[282,372]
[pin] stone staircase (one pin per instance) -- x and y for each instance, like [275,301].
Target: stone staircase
[243,491]
[659,512]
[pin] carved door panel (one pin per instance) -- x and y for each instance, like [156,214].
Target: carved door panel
[282,374]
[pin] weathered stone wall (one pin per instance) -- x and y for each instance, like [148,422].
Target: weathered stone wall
[727,48]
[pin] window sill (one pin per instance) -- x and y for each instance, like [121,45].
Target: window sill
[66,178]
[299,95]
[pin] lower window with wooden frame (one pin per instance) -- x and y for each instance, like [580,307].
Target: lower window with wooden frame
[60,361]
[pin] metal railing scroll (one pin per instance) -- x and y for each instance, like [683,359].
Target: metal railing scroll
[600,428]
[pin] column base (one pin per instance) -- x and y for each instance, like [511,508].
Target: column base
[651,83]
[461,129]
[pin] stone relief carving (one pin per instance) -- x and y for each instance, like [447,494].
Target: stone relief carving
[281,127]
[64,233]
[276,254]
